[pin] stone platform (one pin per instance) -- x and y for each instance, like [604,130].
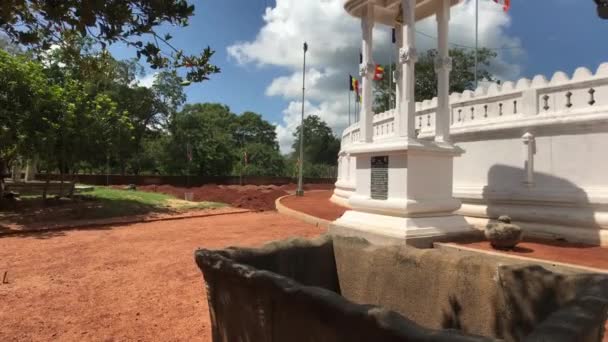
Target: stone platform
[315,205]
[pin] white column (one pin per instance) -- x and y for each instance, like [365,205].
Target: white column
[529,150]
[443,65]
[407,59]
[397,77]
[366,71]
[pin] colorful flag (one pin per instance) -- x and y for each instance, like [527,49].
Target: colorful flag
[506,4]
[378,72]
[356,86]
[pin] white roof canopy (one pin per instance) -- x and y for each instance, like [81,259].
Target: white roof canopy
[386,11]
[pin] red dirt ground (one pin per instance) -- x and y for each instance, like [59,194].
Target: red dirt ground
[122,283]
[315,203]
[254,197]
[561,251]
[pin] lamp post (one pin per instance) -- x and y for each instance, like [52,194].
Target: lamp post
[300,190]
[476,38]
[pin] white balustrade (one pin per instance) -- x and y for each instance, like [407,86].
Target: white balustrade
[510,103]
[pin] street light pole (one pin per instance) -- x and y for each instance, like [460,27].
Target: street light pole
[300,190]
[476,37]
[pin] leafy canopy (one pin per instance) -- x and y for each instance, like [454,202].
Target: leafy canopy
[40,24]
[320,144]
[462,76]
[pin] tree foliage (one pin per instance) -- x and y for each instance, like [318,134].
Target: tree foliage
[320,144]
[41,24]
[84,112]
[462,76]
[221,142]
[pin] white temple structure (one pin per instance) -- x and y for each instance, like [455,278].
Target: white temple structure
[532,149]
[403,184]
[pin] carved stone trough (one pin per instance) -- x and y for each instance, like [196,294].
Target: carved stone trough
[345,289]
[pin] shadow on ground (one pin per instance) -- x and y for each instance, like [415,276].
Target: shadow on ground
[33,214]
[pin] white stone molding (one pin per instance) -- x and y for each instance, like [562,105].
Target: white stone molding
[529,151]
[365,69]
[408,55]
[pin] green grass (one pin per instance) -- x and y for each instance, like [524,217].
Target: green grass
[141,197]
[116,202]
[102,202]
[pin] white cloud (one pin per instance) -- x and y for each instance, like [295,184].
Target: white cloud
[334,40]
[146,81]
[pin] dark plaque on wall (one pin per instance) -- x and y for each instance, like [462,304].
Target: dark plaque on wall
[379,181]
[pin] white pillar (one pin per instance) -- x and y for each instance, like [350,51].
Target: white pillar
[16,176]
[397,75]
[407,59]
[30,171]
[443,65]
[366,71]
[529,150]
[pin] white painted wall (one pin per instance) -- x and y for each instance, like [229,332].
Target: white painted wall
[568,119]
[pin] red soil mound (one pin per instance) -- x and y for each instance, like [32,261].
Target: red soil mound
[254,197]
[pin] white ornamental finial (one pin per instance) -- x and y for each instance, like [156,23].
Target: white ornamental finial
[407,55]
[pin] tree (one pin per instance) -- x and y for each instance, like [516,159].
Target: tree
[205,130]
[29,107]
[169,91]
[250,128]
[40,24]
[258,153]
[101,106]
[258,159]
[320,144]
[462,76]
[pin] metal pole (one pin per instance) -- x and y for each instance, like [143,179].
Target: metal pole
[300,190]
[390,75]
[476,37]
[107,169]
[349,108]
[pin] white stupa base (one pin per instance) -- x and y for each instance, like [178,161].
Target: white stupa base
[384,229]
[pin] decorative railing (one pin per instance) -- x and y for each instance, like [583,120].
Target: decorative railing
[351,134]
[508,103]
[512,102]
[384,124]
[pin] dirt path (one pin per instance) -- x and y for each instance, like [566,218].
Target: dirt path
[131,283]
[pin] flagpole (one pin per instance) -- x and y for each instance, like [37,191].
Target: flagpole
[390,71]
[390,81]
[349,123]
[300,190]
[476,37]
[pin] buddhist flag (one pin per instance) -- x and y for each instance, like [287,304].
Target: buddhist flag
[378,72]
[356,85]
[506,4]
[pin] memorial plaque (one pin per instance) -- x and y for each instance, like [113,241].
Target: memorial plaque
[379,181]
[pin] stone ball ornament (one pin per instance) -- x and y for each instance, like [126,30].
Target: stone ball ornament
[503,234]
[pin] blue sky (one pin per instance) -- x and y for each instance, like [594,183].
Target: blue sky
[260,55]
